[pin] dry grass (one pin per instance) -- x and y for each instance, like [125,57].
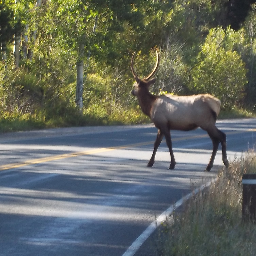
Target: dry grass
[211,223]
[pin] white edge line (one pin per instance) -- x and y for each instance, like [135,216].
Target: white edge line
[160,219]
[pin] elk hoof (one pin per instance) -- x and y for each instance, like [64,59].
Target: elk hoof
[226,163]
[172,166]
[208,168]
[150,164]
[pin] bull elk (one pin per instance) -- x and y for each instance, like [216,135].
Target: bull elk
[172,112]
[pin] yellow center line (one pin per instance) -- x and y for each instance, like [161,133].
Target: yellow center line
[96,151]
[53,158]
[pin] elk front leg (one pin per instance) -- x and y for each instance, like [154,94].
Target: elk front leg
[159,138]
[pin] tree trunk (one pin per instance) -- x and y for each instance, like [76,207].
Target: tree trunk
[17,50]
[80,84]
[80,70]
[3,49]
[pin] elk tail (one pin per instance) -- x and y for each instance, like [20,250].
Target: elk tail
[214,104]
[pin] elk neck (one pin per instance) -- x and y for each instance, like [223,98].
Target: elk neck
[146,101]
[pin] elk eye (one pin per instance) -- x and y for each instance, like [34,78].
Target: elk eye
[135,85]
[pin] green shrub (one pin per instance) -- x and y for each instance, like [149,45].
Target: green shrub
[219,70]
[172,71]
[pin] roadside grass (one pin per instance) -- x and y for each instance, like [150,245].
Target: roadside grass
[236,113]
[95,115]
[13,123]
[211,222]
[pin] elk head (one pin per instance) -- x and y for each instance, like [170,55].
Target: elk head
[145,82]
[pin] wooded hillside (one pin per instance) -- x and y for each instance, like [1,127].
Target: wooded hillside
[67,62]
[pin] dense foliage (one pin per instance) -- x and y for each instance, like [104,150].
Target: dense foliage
[46,45]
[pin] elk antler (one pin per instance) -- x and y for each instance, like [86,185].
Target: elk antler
[151,74]
[132,69]
[155,68]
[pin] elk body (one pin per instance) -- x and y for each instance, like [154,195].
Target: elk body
[184,113]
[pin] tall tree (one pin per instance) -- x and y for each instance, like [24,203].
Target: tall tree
[6,25]
[77,23]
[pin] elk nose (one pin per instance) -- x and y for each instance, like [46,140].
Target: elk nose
[132,92]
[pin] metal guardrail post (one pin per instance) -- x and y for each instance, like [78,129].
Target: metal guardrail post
[249,198]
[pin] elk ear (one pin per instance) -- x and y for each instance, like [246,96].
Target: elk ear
[151,81]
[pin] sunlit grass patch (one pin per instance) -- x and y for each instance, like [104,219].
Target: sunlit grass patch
[14,122]
[94,115]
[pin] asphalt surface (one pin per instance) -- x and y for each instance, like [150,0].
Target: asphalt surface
[87,190]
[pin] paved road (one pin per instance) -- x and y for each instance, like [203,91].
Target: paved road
[87,191]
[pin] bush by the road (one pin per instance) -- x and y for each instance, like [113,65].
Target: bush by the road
[211,223]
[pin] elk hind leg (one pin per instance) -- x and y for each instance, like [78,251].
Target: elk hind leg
[224,148]
[215,143]
[218,137]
